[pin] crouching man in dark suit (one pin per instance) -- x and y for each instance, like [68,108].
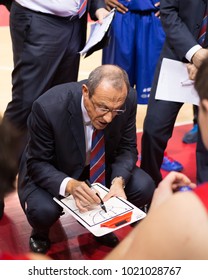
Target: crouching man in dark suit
[56,161]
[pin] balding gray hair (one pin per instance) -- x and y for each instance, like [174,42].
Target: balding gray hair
[114,74]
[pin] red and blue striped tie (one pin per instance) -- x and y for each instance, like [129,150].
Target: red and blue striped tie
[203,30]
[82,8]
[97,158]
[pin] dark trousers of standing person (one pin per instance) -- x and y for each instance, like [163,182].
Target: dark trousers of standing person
[195,112]
[45,53]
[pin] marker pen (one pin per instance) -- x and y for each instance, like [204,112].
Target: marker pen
[102,205]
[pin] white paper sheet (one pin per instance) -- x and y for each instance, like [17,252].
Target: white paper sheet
[174,83]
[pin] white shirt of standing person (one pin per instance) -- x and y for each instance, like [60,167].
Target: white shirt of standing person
[63,8]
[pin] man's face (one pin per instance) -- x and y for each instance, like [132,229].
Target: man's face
[106,103]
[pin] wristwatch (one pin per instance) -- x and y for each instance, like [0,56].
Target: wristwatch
[120,178]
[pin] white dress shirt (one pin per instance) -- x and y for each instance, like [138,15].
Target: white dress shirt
[63,8]
[191,52]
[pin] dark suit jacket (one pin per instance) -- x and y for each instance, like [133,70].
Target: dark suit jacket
[57,142]
[181,22]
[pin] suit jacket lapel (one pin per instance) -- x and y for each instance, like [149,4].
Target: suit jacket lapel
[76,123]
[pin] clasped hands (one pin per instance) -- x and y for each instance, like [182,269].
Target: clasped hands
[168,186]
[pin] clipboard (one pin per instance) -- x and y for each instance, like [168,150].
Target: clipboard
[174,84]
[120,213]
[99,35]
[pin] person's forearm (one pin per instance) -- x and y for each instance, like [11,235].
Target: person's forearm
[116,4]
[172,231]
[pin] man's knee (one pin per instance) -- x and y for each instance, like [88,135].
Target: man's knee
[148,188]
[140,188]
[43,216]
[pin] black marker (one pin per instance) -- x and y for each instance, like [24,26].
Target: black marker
[102,205]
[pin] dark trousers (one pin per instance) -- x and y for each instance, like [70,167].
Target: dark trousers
[45,53]
[195,112]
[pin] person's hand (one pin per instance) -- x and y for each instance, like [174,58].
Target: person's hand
[116,189]
[192,71]
[110,4]
[157,14]
[100,14]
[199,57]
[85,197]
[167,187]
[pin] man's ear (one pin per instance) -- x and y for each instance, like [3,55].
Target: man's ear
[85,91]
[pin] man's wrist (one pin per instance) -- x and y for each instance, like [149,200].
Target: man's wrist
[120,180]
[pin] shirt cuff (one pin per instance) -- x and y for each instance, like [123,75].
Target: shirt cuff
[62,190]
[192,51]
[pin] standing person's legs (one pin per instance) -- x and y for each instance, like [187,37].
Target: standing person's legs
[195,111]
[40,45]
[192,134]
[157,130]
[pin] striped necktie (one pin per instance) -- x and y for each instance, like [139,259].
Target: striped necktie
[203,29]
[97,157]
[82,8]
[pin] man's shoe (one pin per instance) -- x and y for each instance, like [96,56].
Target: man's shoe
[110,239]
[191,136]
[170,164]
[39,244]
[1,208]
